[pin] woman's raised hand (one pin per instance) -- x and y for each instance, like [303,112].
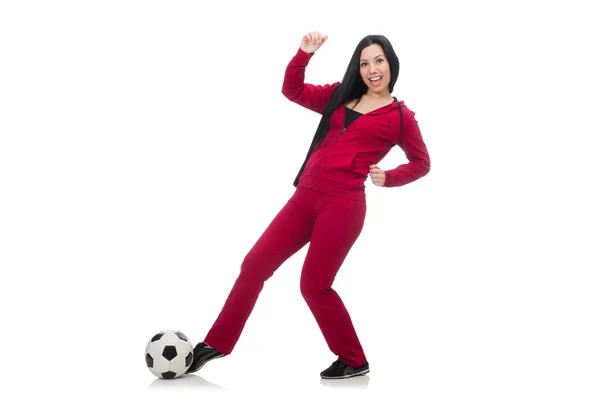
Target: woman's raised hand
[312,41]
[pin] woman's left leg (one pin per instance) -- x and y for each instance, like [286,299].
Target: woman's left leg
[338,224]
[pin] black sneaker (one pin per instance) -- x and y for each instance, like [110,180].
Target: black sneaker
[202,354]
[339,370]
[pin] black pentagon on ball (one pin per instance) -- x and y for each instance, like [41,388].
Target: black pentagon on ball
[181,335]
[169,352]
[168,375]
[149,360]
[157,337]
[188,359]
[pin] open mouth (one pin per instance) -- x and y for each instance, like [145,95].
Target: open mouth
[375,81]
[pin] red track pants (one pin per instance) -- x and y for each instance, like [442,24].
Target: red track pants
[331,224]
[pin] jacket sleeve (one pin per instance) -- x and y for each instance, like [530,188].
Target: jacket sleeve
[313,97]
[411,142]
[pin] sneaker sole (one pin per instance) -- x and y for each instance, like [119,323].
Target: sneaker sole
[364,372]
[204,363]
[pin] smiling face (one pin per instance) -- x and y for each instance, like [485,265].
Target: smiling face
[375,70]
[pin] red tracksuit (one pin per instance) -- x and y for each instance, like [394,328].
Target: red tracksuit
[327,210]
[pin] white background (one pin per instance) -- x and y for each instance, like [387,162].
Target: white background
[145,145]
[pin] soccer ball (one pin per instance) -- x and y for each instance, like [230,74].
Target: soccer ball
[169,354]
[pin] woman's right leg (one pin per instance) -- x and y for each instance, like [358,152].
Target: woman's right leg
[287,233]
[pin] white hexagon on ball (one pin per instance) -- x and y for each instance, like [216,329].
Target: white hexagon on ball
[169,354]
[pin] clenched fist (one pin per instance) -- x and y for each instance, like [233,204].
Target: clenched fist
[377,175]
[312,41]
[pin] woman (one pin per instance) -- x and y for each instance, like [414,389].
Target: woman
[361,122]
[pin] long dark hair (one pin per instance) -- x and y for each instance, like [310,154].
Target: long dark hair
[352,87]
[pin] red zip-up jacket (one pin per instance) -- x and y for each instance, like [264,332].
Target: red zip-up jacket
[340,165]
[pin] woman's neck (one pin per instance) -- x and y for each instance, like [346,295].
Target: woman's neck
[378,96]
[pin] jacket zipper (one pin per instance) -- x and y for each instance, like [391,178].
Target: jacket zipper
[323,159]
